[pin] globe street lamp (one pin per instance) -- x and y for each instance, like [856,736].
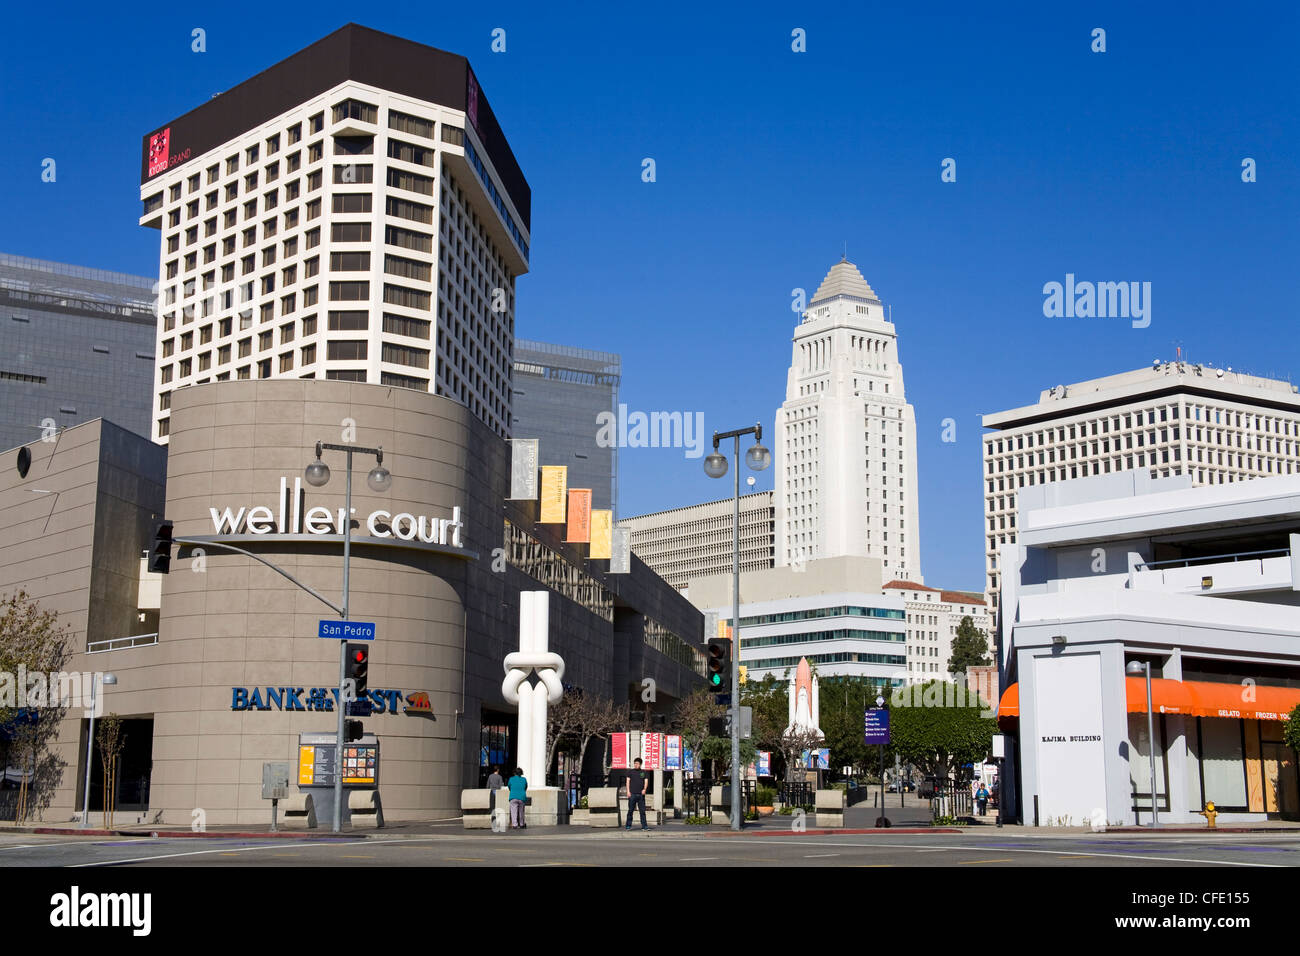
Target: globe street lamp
[380,479]
[108,679]
[715,466]
[1136,669]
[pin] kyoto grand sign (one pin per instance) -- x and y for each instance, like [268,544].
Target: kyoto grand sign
[291,518]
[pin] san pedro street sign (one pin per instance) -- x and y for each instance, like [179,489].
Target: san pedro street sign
[348,630]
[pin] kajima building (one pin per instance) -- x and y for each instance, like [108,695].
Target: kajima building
[219,667]
[1113,574]
[353,212]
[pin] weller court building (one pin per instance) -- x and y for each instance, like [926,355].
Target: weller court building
[227,673]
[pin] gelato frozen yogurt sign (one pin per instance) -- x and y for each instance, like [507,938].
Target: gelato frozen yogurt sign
[292,516]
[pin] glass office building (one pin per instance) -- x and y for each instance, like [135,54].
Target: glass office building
[75,344]
[557,392]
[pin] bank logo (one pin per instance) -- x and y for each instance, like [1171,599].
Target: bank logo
[418,702]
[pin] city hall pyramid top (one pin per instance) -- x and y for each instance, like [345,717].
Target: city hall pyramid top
[844,279]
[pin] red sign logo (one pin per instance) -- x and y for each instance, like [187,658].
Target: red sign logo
[471,101]
[159,148]
[418,703]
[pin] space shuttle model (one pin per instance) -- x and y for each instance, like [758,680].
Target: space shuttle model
[805,712]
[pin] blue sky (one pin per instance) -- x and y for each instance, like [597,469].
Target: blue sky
[1123,165]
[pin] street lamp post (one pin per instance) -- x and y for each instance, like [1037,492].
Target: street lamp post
[715,466]
[109,679]
[380,480]
[1136,669]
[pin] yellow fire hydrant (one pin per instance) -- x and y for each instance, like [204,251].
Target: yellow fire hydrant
[1209,813]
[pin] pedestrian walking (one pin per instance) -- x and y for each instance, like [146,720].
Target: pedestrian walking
[982,798]
[494,782]
[518,795]
[636,787]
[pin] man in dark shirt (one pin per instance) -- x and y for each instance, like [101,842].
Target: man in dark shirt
[636,788]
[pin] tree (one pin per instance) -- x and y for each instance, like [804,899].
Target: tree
[111,741]
[970,647]
[600,717]
[564,720]
[691,717]
[33,639]
[793,743]
[930,730]
[843,702]
[1291,729]
[769,699]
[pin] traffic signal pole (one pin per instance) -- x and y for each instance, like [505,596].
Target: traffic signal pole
[343,651]
[735,645]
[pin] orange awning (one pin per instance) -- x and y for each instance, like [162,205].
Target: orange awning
[1194,698]
[1009,705]
[1226,700]
[1167,696]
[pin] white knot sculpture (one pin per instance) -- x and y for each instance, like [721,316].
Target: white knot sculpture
[532,701]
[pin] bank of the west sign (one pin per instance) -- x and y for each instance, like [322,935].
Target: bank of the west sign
[293,517]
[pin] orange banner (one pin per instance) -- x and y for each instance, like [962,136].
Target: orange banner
[579,530]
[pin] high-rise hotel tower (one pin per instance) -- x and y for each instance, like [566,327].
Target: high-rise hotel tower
[353,212]
[845,444]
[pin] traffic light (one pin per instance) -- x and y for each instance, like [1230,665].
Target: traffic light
[351,730]
[160,554]
[719,727]
[719,663]
[358,666]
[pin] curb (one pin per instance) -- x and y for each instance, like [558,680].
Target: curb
[840,831]
[175,834]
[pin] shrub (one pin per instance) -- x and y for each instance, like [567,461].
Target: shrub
[698,821]
[764,796]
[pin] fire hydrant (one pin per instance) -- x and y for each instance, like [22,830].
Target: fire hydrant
[1209,813]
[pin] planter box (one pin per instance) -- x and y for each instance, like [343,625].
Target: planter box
[580,817]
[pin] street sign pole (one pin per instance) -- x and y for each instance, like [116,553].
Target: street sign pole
[343,647]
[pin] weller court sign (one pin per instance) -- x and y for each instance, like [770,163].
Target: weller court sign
[292,516]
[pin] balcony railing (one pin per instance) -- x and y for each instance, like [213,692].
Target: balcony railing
[1213,559]
[119,643]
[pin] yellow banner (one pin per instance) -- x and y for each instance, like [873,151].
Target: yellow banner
[602,534]
[579,530]
[555,482]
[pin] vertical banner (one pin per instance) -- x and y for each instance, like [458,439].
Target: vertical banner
[579,530]
[764,763]
[650,751]
[618,743]
[673,752]
[523,469]
[555,481]
[620,560]
[602,540]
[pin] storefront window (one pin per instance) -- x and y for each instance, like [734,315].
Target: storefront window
[1223,764]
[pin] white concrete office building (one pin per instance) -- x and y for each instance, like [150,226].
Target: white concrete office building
[845,438]
[683,544]
[1174,418]
[933,616]
[1199,582]
[831,611]
[353,212]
